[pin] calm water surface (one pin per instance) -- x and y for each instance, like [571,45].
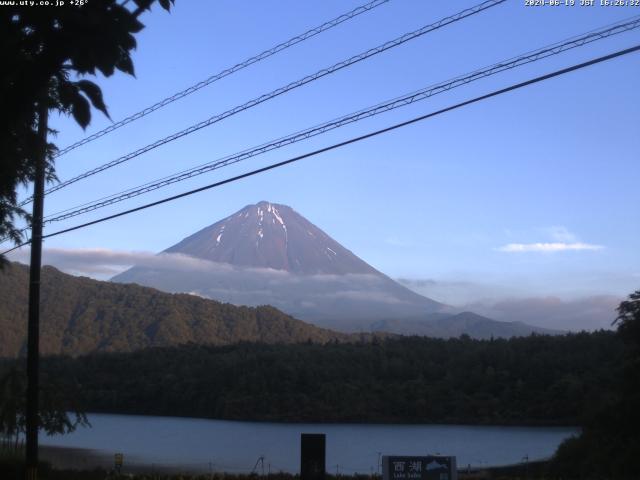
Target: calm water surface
[199,444]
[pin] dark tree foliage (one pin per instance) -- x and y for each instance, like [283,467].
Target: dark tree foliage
[44,53]
[58,413]
[537,380]
[609,446]
[629,323]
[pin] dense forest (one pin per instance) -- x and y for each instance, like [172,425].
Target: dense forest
[537,380]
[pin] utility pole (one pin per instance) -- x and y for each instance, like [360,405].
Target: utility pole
[33,328]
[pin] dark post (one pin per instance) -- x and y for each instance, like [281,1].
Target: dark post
[33,329]
[312,456]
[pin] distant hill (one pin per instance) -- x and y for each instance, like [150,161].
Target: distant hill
[442,325]
[80,315]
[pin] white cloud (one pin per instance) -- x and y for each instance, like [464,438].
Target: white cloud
[363,295]
[103,263]
[561,240]
[548,247]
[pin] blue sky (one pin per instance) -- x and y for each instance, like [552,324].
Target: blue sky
[459,198]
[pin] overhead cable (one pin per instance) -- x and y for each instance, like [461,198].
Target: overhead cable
[526,58]
[279,91]
[226,72]
[495,93]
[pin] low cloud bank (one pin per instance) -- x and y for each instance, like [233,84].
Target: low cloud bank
[507,303]
[104,263]
[240,285]
[589,313]
[494,301]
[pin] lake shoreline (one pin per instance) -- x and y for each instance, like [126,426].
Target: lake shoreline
[72,458]
[392,421]
[83,459]
[86,459]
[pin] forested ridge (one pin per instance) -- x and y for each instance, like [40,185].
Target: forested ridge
[537,380]
[80,315]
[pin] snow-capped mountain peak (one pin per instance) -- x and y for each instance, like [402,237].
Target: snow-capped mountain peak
[270,235]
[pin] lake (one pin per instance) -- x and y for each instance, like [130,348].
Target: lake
[203,445]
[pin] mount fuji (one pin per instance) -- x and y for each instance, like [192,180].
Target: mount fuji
[268,254]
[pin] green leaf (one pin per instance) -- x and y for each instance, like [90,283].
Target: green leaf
[134,25]
[105,67]
[94,93]
[81,111]
[67,93]
[125,64]
[143,4]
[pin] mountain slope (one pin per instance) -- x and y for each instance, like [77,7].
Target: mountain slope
[80,315]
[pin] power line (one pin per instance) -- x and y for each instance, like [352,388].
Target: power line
[279,91]
[396,126]
[226,72]
[16,247]
[529,57]
[21,231]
